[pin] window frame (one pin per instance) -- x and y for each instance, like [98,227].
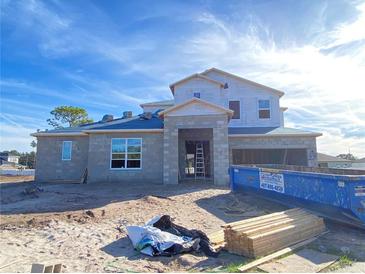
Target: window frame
[63,145]
[239,112]
[196,93]
[125,154]
[259,108]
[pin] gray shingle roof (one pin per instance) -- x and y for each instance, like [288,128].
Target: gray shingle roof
[328,158]
[138,123]
[161,103]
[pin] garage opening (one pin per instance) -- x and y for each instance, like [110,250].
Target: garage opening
[296,157]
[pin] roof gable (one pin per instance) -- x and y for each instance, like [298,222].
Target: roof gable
[328,158]
[196,106]
[196,75]
[206,72]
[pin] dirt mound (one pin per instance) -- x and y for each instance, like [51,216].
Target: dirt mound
[156,200]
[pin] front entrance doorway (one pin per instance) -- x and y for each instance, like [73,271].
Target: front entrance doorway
[197,160]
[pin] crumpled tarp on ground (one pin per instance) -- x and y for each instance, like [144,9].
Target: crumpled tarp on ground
[161,237]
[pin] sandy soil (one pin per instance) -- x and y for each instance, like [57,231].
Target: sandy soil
[53,226]
[15,179]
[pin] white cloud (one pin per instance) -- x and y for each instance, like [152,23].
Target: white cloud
[15,135]
[348,32]
[324,90]
[323,79]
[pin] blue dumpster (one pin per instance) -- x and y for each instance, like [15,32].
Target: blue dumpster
[339,197]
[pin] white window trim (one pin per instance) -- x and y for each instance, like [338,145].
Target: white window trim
[240,104]
[63,144]
[126,155]
[258,109]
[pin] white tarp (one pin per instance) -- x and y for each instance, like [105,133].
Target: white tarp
[145,237]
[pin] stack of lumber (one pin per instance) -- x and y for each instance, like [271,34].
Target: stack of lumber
[217,239]
[266,234]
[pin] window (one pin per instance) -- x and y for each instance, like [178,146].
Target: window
[235,106]
[66,150]
[264,109]
[197,94]
[126,153]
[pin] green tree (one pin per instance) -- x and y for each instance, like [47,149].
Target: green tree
[33,144]
[27,159]
[347,156]
[69,116]
[12,152]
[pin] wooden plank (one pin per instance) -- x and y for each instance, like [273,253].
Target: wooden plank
[258,237]
[302,261]
[252,224]
[263,217]
[284,239]
[272,226]
[244,246]
[269,249]
[278,253]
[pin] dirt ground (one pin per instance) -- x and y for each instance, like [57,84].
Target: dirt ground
[53,226]
[15,179]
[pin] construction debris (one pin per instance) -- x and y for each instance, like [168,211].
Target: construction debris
[161,237]
[266,234]
[32,190]
[279,253]
[41,268]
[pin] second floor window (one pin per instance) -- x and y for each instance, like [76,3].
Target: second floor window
[264,109]
[235,106]
[197,94]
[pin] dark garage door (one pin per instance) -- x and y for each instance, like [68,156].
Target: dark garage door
[296,157]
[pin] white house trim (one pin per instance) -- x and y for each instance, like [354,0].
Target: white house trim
[154,130]
[197,100]
[64,134]
[195,75]
[314,134]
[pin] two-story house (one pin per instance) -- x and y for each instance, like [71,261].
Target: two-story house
[215,119]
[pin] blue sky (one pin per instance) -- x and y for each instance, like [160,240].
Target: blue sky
[110,56]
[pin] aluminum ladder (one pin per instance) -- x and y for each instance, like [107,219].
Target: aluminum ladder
[199,161]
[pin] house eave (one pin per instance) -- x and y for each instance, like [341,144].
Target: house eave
[54,134]
[195,75]
[276,135]
[155,130]
[175,107]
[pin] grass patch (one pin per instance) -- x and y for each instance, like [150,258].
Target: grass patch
[233,268]
[343,261]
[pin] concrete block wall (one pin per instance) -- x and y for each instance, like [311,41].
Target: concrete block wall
[308,143]
[49,164]
[220,145]
[100,153]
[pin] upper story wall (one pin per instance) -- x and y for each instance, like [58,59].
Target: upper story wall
[247,94]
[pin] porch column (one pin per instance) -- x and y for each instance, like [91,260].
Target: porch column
[170,153]
[221,154]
